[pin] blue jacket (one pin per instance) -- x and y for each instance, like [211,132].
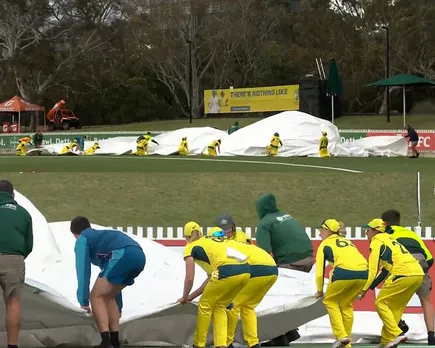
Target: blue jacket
[81,142]
[95,247]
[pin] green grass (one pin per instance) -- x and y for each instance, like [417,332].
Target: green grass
[164,192]
[345,122]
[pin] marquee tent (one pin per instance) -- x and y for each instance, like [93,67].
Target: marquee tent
[19,105]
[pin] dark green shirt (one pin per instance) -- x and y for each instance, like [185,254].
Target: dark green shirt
[280,234]
[16,232]
[37,139]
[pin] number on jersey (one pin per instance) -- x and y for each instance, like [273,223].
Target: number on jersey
[235,254]
[342,243]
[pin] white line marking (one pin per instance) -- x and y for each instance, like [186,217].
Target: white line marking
[152,157]
[260,162]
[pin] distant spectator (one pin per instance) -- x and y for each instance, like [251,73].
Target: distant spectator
[16,243]
[413,139]
[234,127]
[37,139]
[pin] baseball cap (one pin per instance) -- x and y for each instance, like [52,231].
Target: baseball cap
[190,227]
[6,186]
[377,224]
[332,225]
[215,232]
[224,221]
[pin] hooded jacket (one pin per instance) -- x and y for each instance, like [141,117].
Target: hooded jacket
[16,232]
[280,234]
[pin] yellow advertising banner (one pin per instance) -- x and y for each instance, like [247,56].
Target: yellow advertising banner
[258,99]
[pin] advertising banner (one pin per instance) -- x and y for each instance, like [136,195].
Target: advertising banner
[10,141]
[367,304]
[426,140]
[258,99]
[348,137]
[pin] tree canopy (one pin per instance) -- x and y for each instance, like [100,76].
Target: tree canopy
[119,61]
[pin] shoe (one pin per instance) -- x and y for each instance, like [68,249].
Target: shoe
[418,155]
[293,335]
[230,345]
[403,326]
[103,345]
[400,339]
[255,346]
[341,343]
[431,341]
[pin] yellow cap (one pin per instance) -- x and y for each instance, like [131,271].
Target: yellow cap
[213,230]
[324,133]
[376,224]
[190,227]
[332,225]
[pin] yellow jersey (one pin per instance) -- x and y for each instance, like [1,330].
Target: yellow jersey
[240,236]
[323,142]
[412,242]
[183,145]
[343,256]
[21,145]
[392,257]
[275,142]
[216,257]
[92,149]
[260,262]
[214,145]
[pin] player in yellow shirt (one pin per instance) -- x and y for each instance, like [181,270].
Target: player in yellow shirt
[21,149]
[92,149]
[413,243]
[227,273]
[323,146]
[264,273]
[403,276]
[275,143]
[142,144]
[214,148]
[68,147]
[349,275]
[183,148]
[226,223]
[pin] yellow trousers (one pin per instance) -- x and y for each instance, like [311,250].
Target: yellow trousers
[21,152]
[217,295]
[211,152]
[244,305]
[182,151]
[141,151]
[392,301]
[271,150]
[338,301]
[323,153]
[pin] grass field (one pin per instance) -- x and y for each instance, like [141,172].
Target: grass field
[344,122]
[150,191]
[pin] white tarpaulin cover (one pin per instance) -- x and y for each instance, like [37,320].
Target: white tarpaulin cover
[299,132]
[51,314]
[150,314]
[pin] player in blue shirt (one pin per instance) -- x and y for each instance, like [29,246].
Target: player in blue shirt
[120,258]
[413,139]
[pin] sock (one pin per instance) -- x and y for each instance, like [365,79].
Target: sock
[114,339]
[105,336]
[430,334]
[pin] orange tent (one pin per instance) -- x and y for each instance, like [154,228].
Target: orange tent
[18,104]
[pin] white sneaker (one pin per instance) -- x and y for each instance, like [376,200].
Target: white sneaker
[397,341]
[341,343]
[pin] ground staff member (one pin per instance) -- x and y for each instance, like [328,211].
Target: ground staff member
[264,274]
[16,243]
[285,238]
[413,139]
[403,276]
[347,279]
[120,258]
[227,273]
[413,243]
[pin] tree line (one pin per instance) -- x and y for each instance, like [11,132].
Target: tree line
[120,61]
